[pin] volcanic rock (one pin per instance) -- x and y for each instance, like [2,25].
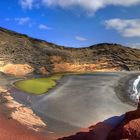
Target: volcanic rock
[129,128]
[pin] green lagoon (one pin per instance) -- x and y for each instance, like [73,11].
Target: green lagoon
[37,86]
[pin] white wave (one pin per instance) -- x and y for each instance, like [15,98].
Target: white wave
[136,94]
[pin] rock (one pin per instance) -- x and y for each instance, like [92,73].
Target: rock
[18,69]
[129,128]
[20,113]
[44,71]
[2,99]
[10,129]
[96,132]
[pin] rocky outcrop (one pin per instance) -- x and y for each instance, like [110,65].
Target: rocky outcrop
[129,128]
[26,55]
[18,69]
[96,132]
[17,121]
[43,70]
[19,112]
[68,67]
[12,130]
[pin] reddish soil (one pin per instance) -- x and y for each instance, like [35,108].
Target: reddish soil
[12,130]
[129,129]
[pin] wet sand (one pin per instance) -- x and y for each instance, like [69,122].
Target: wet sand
[124,89]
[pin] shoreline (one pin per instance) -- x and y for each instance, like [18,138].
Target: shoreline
[124,88]
[122,84]
[17,118]
[11,129]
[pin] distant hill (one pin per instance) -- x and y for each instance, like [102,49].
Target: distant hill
[20,55]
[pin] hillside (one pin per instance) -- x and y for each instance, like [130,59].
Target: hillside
[20,55]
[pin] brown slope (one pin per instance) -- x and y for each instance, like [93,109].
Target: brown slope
[33,55]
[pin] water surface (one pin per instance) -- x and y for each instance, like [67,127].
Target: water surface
[77,102]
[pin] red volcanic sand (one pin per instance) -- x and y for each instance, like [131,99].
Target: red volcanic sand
[129,128]
[12,130]
[97,132]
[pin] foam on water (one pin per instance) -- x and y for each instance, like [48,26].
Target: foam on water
[136,89]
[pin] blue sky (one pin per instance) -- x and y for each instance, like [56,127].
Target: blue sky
[74,23]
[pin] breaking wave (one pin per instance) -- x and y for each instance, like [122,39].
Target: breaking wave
[136,90]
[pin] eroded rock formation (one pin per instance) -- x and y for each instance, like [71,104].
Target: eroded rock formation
[17,69]
[19,112]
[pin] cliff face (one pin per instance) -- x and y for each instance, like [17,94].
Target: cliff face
[20,55]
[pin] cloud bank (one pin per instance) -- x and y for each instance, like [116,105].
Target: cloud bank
[89,5]
[126,27]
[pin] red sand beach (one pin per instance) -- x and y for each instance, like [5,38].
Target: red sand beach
[12,130]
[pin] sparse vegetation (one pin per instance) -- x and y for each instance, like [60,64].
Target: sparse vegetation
[16,48]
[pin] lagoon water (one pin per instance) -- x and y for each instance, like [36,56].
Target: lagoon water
[78,101]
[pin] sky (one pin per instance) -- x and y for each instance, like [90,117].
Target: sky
[74,23]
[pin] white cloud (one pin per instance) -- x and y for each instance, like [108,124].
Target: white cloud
[22,20]
[126,27]
[89,5]
[79,38]
[26,4]
[44,27]
[134,45]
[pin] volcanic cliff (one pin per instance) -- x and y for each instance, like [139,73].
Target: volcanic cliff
[21,55]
